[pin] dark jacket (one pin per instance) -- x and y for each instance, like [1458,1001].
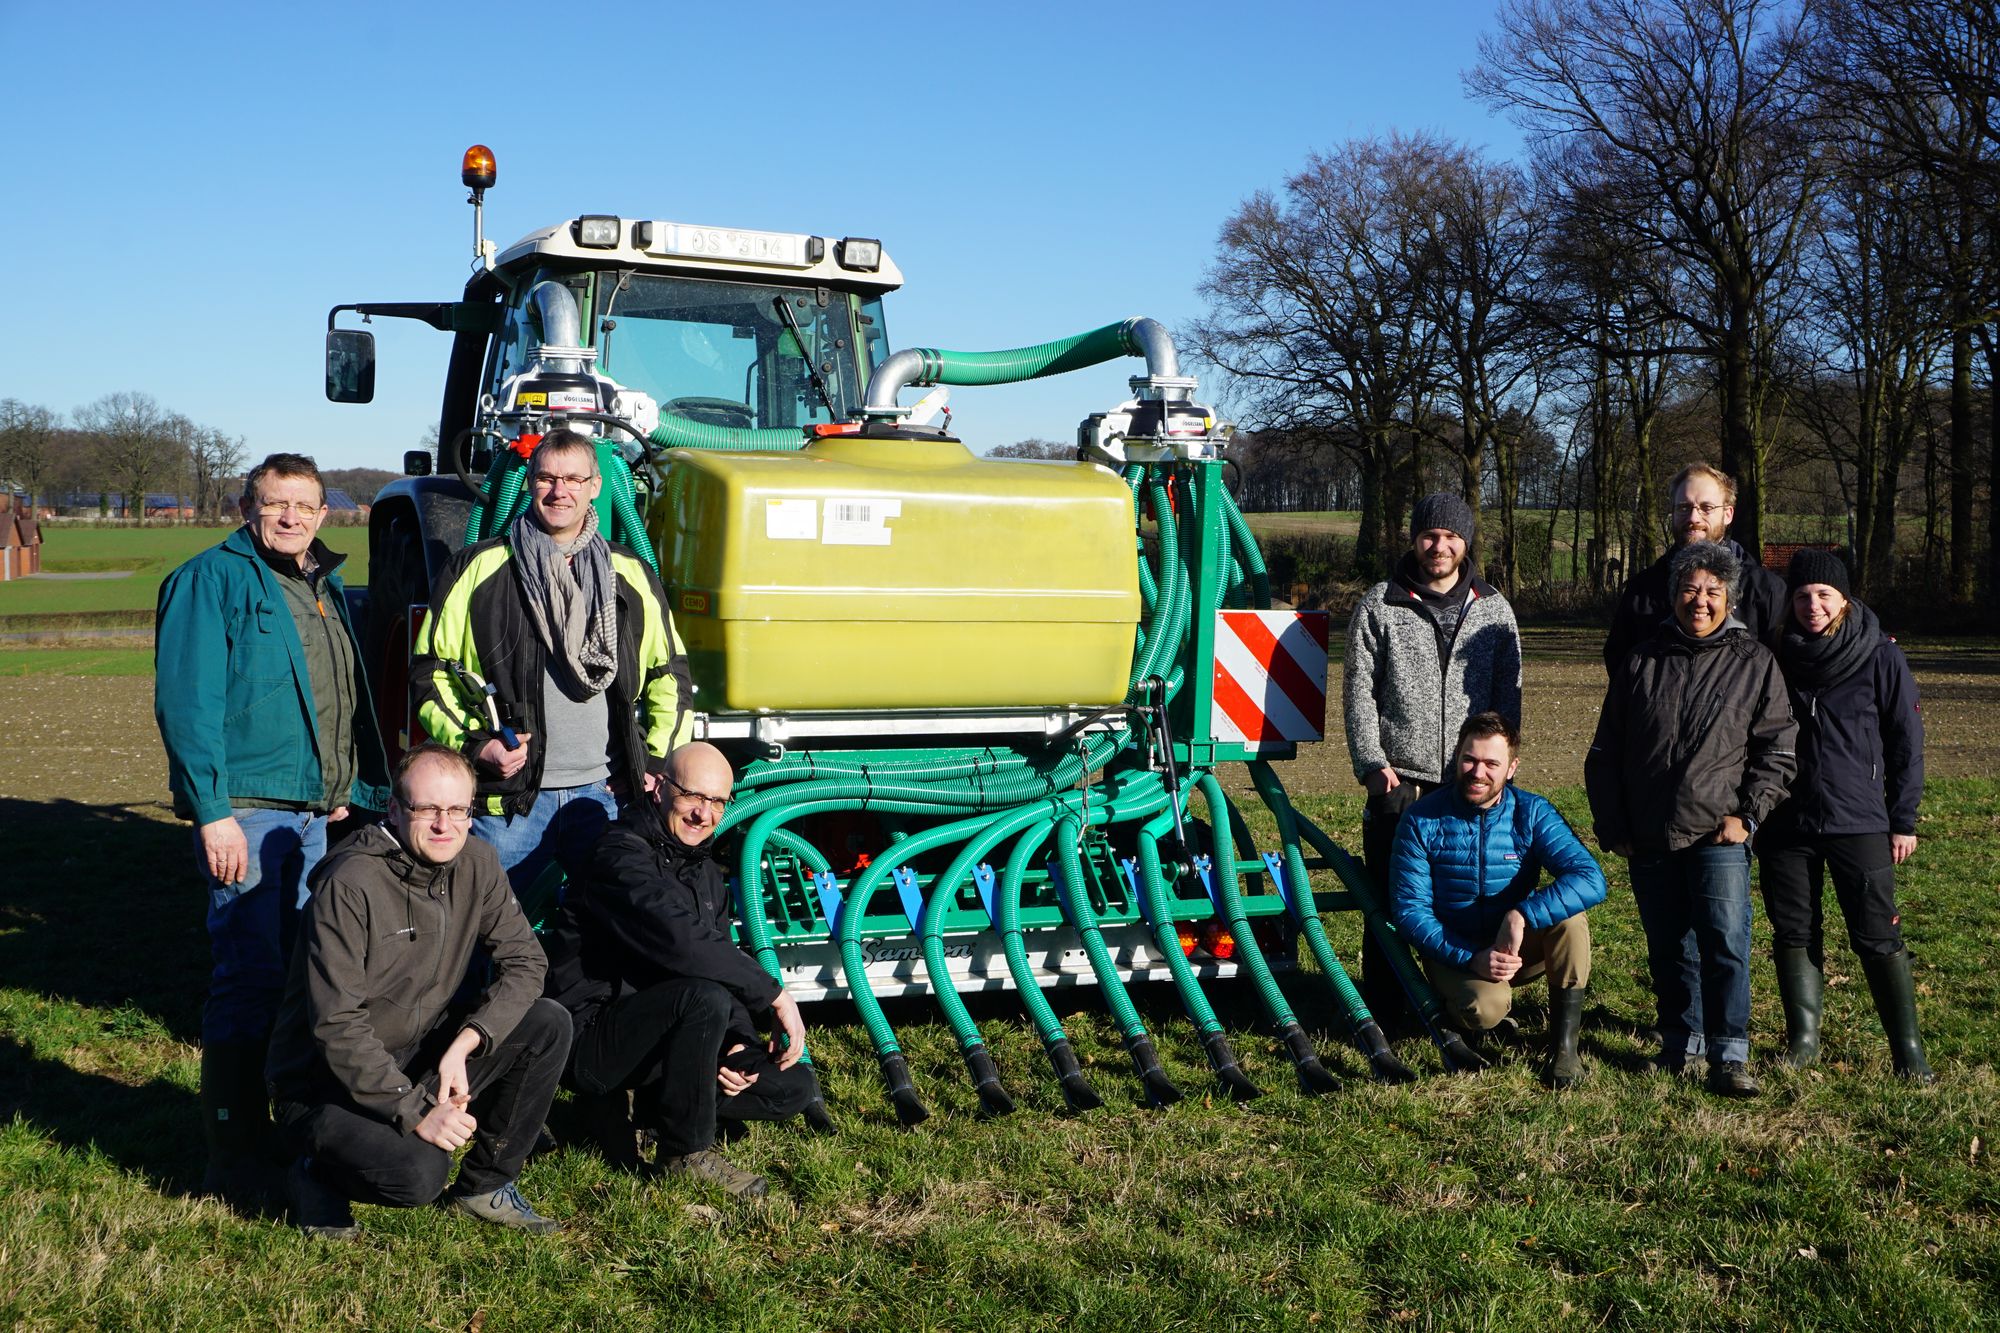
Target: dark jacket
[1647,603]
[1457,870]
[384,946]
[1692,730]
[650,909]
[234,696]
[479,620]
[1861,741]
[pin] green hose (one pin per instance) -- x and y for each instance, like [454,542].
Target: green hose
[1069,832]
[678,432]
[1007,906]
[503,491]
[1016,364]
[1159,906]
[1304,909]
[1229,891]
[1253,558]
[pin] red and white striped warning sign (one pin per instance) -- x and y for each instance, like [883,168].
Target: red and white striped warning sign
[1270,676]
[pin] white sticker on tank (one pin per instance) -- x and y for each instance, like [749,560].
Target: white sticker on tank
[791,520]
[858,520]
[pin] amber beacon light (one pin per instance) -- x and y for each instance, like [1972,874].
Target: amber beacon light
[477,171]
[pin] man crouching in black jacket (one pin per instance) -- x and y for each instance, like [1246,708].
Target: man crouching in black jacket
[665,1003]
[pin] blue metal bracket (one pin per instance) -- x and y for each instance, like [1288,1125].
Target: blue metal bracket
[912,896]
[983,878]
[829,899]
[1274,867]
[1130,865]
[1204,868]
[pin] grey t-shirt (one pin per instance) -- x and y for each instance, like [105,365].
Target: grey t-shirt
[576,735]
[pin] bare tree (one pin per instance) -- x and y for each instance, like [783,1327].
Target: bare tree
[215,467]
[1315,314]
[133,443]
[1692,112]
[1033,447]
[29,446]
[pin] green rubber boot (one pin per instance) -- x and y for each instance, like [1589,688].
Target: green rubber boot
[1801,986]
[1895,993]
[1565,1021]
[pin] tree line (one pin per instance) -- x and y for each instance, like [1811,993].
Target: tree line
[1764,233]
[124,444]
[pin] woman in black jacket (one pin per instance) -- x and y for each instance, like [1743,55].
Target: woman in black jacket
[1852,810]
[1693,748]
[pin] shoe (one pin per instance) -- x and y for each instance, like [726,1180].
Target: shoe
[317,1209]
[1565,1020]
[716,1169]
[1802,988]
[607,1123]
[503,1207]
[1731,1078]
[1895,993]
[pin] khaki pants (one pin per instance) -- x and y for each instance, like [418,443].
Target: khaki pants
[1472,1005]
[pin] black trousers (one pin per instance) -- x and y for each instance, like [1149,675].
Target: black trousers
[665,1044]
[1380,818]
[1795,868]
[371,1161]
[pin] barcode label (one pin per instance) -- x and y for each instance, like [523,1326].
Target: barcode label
[858,520]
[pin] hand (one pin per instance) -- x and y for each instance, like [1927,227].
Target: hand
[1901,847]
[793,1031]
[734,1081]
[495,755]
[225,851]
[337,814]
[1733,832]
[1381,780]
[1492,965]
[448,1126]
[1513,929]
[453,1083]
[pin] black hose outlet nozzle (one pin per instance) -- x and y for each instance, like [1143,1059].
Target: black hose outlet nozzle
[1223,1061]
[1160,1090]
[993,1099]
[1076,1088]
[1314,1077]
[1382,1062]
[1458,1057]
[896,1072]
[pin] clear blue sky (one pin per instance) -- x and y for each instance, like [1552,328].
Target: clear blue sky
[192,186]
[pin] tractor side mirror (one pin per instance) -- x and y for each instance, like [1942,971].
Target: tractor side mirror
[350,366]
[416,462]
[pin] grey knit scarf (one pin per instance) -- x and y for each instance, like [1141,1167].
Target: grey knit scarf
[571,598]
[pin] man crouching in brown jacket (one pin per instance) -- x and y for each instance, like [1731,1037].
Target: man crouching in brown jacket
[377,1076]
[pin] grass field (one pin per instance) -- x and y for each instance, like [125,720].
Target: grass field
[144,556]
[1842,1199]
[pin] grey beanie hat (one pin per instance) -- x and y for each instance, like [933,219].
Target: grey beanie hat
[1442,509]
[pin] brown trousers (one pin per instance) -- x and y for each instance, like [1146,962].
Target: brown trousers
[1472,1005]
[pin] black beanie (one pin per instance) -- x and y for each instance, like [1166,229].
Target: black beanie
[1442,509]
[1810,566]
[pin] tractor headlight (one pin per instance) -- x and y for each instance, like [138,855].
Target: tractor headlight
[859,253]
[596,232]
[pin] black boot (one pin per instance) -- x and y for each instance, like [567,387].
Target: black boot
[1895,995]
[236,1125]
[607,1123]
[1801,986]
[1565,1021]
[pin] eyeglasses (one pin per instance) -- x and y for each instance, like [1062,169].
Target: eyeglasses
[427,814]
[546,481]
[1690,510]
[719,804]
[277,508]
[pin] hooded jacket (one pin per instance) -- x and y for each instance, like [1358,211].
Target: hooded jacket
[650,909]
[1403,706]
[1692,730]
[1457,870]
[383,947]
[1861,735]
[1647,604]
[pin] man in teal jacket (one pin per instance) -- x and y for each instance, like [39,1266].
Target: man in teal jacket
[270,733]
[1466,890]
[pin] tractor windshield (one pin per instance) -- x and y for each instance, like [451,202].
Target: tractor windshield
[723,354]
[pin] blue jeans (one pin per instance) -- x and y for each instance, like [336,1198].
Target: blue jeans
[1695,906]
[562,827]
[251,924]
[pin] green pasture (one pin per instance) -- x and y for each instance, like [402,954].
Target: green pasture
[144,555]
[1842,1199]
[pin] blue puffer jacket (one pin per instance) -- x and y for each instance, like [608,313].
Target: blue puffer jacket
[1457,870]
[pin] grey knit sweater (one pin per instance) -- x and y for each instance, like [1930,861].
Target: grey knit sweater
[1403,711]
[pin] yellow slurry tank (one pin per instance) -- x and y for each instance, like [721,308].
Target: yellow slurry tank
[898,573]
